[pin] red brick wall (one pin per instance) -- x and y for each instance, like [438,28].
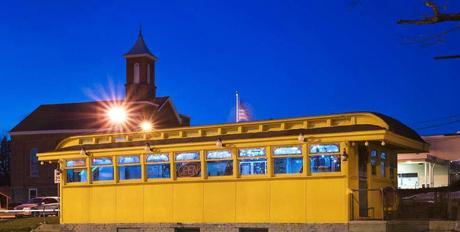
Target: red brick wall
[21,179]
[143,90]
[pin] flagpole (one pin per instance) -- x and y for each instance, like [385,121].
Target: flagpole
[237,106]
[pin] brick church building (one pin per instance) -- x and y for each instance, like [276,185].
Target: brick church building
[47,125]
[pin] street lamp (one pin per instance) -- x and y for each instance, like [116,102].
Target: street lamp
[146,126]
[117,115]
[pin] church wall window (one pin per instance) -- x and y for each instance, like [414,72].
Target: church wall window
[148,73]
[34,162]
[137,75]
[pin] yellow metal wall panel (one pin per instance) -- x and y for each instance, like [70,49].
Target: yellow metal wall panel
[130,203]
[252,201]
[219,202]
[374,204]
[102,204]
[75,203]
[188,202]
[326,200]
[158,203]
[287,201]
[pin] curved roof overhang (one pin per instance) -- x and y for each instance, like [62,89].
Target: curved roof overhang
[362,126]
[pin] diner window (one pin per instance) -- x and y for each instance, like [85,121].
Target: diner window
[288,159]
[158,166]
[188,164]
[129,167]
[102,168]
[324,158]
[219,163]
[374,162]
[324,148]
[76,171]
[383,160]
[252,161]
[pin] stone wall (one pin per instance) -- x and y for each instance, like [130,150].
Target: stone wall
[354,226]
[281,227]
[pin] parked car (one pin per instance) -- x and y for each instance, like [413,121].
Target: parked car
[39,203]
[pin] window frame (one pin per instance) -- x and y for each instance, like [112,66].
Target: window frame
[29,190]
[383,171]
[137,73]
[113,165]
[170,162]
[206,160]
[84,167]
[337,154]
[242,158]
[199,160]
[34,164]
[374,167]
[301,155]
[118,165]
[148,73]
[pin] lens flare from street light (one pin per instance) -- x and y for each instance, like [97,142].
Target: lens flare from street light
[146,126]
[117,115]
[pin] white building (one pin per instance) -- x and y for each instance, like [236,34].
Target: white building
[439,167]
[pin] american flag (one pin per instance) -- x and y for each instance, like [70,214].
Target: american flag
[242,111]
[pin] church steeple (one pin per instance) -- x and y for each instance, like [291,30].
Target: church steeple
[140,71]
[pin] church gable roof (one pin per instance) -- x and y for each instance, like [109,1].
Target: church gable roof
[82,116]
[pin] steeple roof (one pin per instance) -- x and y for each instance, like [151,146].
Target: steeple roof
[140,48]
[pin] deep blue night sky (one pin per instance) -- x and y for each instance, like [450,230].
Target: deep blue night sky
[286,58]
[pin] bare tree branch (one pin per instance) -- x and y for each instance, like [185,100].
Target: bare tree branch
[447,57]
[438,17]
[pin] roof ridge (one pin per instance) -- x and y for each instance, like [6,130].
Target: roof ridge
[100,101]
[74,103]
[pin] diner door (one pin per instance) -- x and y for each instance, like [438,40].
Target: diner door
[362,167]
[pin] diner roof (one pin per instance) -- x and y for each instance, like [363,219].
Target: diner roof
[366,123]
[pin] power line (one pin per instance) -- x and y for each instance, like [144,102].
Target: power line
[436,119]
[446,57]
[439,125]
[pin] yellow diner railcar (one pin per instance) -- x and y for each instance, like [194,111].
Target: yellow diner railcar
[308,170]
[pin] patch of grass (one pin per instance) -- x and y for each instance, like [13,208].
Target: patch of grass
[24,224]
